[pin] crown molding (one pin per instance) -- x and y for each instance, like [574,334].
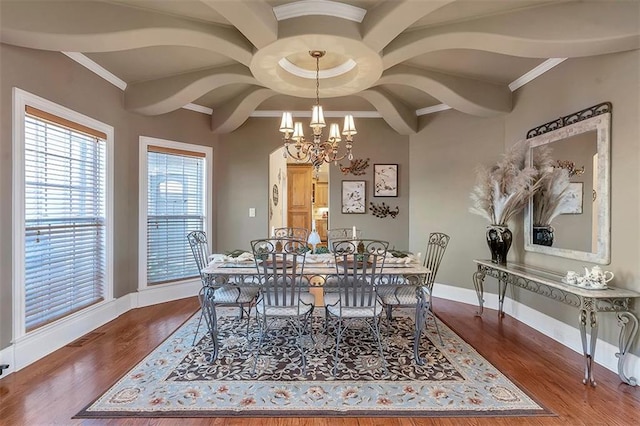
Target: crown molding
[199,108]
[98,69]
[319,7]
[535,73]
[432,109]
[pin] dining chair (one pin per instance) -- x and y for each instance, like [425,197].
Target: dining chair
[294,233]
[214,294]
[284,291]
[341,234]
[359,267]
[404,295]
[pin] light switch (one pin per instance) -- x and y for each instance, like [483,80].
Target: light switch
[252,212]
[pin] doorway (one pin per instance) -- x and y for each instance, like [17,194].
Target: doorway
[298,196]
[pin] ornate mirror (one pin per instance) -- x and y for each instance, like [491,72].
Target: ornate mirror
[580,144]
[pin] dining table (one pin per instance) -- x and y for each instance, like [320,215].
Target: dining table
[320,273]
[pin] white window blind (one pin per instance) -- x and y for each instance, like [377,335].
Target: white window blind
[175,207]
[65,247]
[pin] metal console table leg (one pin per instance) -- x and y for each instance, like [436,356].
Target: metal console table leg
[626,337]
[478,283]
[502,290]
[589,319]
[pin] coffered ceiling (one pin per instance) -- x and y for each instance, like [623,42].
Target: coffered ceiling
[396,58]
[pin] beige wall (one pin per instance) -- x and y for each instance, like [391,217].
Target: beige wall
[444,153]
[443,158]
[246,168]
[57,78]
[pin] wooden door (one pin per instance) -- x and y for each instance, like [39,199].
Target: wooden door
[322,194]
[299,196]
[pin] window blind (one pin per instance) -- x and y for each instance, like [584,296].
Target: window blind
[65,243]
[175,207]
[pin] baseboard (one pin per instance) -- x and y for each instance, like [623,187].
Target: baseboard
[557,330]
[31,348]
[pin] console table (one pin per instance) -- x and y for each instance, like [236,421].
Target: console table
[589,302]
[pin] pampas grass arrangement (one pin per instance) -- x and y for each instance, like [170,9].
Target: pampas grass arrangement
[503,190]
[549,200]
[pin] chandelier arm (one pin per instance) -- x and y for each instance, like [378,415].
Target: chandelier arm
[302,154]
[326,150]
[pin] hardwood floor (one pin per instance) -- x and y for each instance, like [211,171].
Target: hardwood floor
[55,388]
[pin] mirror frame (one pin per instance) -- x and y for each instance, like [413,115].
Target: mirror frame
[596,118]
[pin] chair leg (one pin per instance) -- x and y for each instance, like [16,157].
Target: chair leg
[263,329]
[209,313]
[339,331]
[248,318]
[195,336]
[435,322]
[376,331]
[308,325]
[201,300]
[388,309]
[300,327]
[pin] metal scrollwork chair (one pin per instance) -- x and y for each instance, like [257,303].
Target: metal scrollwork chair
[405,295]
[284,291]
[358,269]
[340,234]
[295,233]
[214,294]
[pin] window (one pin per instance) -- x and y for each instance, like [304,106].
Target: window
[176,203]
[62,187]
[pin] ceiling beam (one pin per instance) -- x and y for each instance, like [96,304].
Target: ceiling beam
[254,19]
[167,94]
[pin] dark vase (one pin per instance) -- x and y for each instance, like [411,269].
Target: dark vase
[499,240]
[543,235]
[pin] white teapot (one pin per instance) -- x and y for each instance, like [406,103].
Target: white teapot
[597,277]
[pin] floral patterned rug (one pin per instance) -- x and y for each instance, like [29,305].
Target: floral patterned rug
[177,380]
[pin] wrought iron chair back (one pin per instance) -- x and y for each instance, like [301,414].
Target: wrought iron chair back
[359,266]
[341,234]
[284,293]
[292,233]
[406,296]
[280,264]
[213,293]
[200,249]
[436,246]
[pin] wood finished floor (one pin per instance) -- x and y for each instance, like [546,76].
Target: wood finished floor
[55,388]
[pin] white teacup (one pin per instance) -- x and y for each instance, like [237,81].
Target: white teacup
[572,277]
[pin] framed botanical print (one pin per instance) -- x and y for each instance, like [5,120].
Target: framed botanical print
[354,196]
[385,180]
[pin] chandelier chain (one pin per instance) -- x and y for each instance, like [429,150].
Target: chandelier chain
[317,80]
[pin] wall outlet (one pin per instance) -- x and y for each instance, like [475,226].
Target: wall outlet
[252,212]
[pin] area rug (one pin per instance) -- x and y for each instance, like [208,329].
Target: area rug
[177,380]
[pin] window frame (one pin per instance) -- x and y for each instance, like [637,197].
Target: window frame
[145,142]
[21,99]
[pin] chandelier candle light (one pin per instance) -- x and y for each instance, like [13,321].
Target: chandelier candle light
[317,151]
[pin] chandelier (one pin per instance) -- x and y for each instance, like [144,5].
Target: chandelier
[317,151]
